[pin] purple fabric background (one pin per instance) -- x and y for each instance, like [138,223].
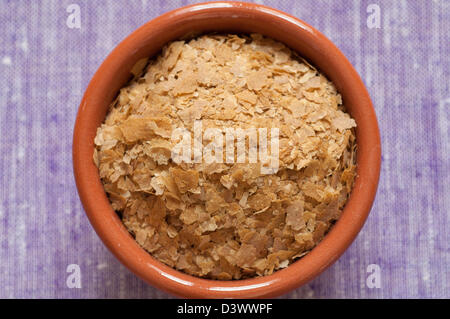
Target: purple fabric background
[45,67]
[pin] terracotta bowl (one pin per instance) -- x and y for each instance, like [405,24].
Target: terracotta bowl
[231,17]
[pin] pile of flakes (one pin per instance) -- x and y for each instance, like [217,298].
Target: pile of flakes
[227,221]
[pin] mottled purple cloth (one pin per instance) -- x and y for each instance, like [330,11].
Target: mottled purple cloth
[45,67]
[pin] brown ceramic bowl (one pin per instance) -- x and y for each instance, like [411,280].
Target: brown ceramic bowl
[232,17]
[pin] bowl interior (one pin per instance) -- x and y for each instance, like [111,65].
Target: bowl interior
[147,41]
